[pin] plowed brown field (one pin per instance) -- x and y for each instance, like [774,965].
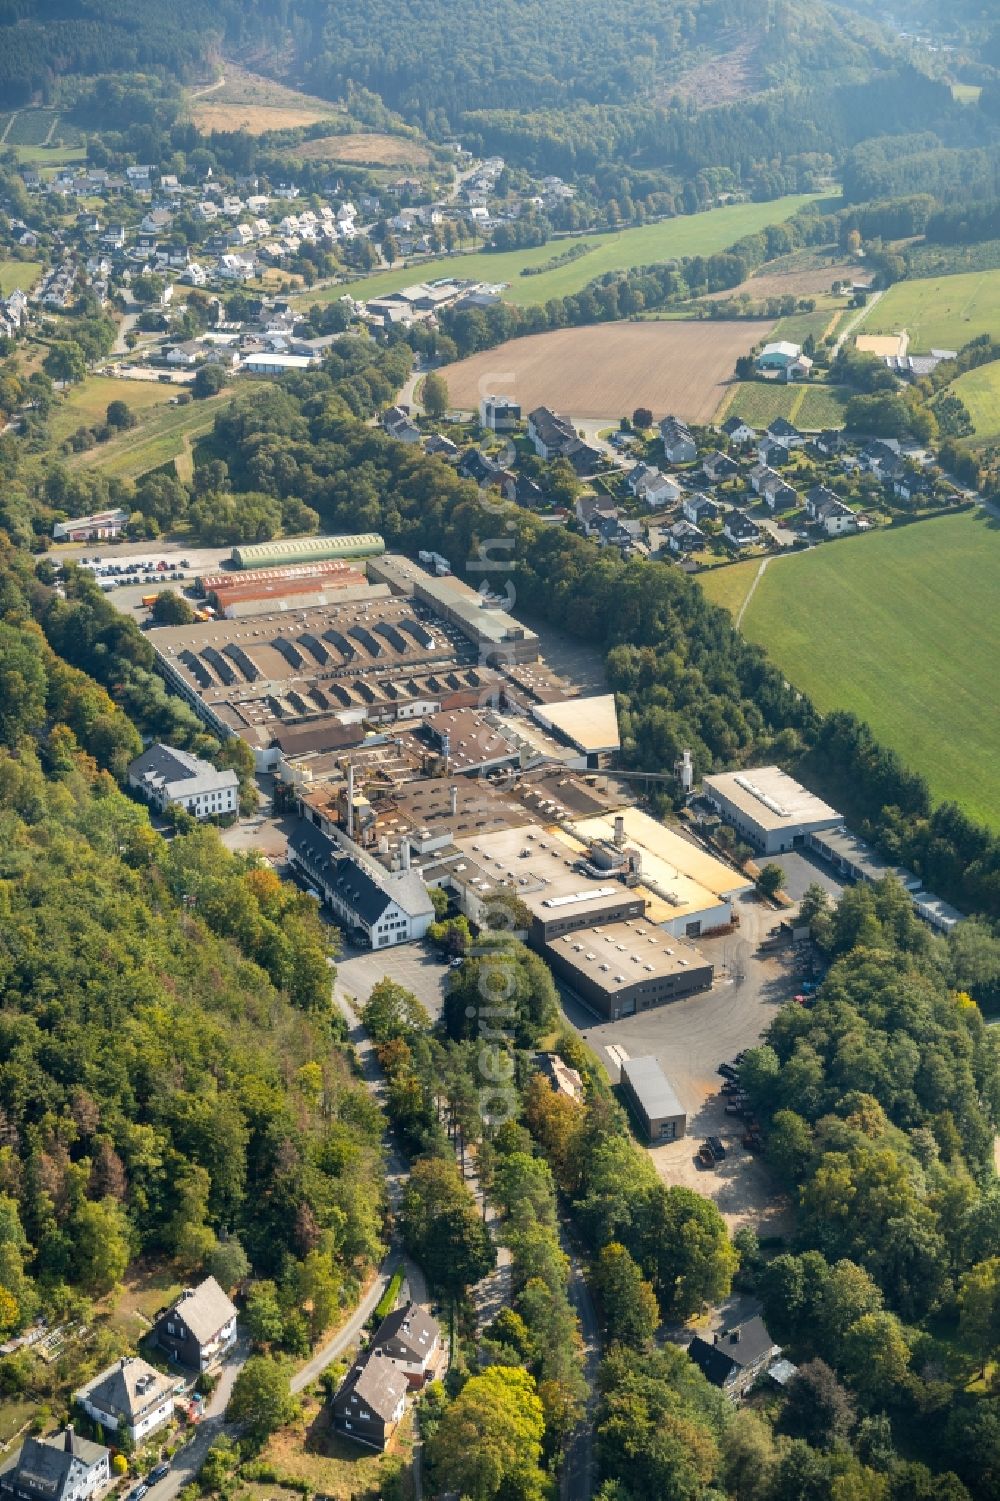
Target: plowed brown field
[610,369]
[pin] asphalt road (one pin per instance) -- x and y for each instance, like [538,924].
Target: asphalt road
[579,1470]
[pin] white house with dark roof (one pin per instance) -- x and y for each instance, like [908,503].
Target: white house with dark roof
[200,1328]
[740,530]
[384,907]
[130,1397]
[64,1467]
[166,777]
[738,431]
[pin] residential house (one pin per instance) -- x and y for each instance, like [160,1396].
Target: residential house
[879,453]
[829,511]
[700,508]
[800,369]
[185,355]
[651,485]
[735,1358]
[399,425]
[786,432]
[773,452]
[140,178]
[523,491]
[167,778]
[498,414]
[554,437]
[718,466]
[621,532]
[912,483]
[195,275]
[156,222]
[780,497]
[206,211]
[829,442]
[679,446]
[740,530]
[411,1339]
[443,446]
[739,432]
[479,467]
[236,268]
[370,1401]
[64,1467]
[200,1328]
[762,476]
[684,536]
[382,907]
[590,509]
[549,432]
[102,526]
[128,1397]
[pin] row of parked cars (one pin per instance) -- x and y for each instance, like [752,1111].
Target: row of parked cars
[738,1102]
[155,1475]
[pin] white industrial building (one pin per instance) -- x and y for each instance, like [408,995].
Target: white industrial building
[768,808]
[383,907]
[166,777]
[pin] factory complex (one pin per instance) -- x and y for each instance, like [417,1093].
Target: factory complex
[412,724]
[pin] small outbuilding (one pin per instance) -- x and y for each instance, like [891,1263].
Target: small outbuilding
[652,1097]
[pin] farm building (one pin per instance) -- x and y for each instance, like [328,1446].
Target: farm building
[652,1097]
[307,550]
[769,808]
[785,359]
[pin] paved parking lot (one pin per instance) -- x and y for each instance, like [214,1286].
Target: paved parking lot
[412,965]
[802,869]
[689,1039]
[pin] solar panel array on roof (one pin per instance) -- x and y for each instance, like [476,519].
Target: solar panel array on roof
[289,651]
[315,647]
[247,666]
[221,667]
[364,636]
[346,648]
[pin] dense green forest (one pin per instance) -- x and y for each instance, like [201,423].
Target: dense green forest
[170,1080]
